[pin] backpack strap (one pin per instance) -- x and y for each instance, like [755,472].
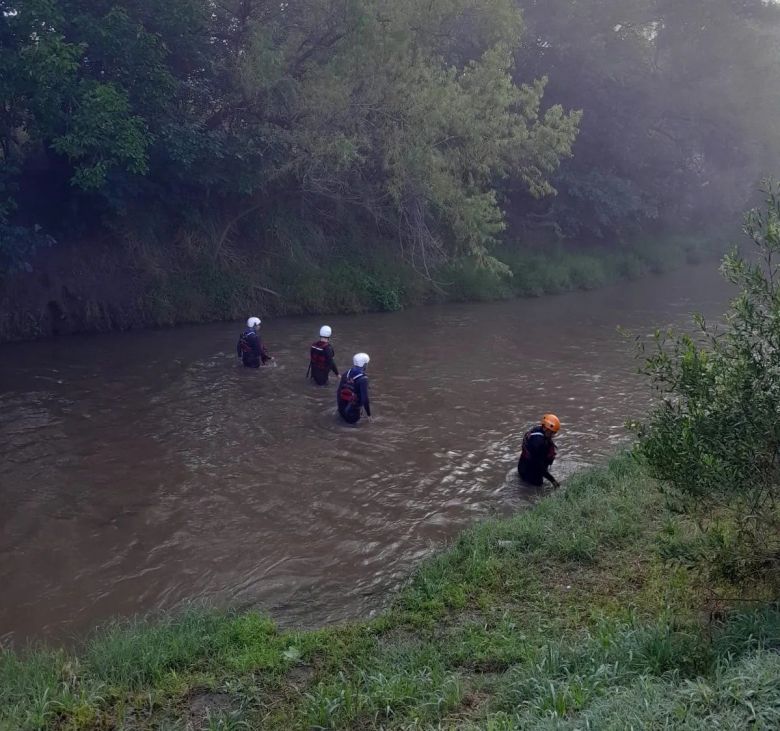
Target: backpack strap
[359,374]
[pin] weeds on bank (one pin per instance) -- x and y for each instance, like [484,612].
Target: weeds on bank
[548,268]
[351,277]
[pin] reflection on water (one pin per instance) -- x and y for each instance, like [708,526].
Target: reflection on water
[141,469]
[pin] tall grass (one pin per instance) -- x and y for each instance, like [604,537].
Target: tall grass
[315,275]
[550,268]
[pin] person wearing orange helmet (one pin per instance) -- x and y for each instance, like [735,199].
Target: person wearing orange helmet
[539,452]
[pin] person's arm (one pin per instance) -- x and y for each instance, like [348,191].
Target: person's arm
[539,449]
[364,395]
[331,363]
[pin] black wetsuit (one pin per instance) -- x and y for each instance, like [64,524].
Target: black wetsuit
[538,454]
[321,356]
[351,408]
[250,349]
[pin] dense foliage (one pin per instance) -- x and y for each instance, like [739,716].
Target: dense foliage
[251,125]
[678,101]
[205,114]
[715,436]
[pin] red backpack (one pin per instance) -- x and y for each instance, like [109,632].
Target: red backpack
[317,355]
[348,390]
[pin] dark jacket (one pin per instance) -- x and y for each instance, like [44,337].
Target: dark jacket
[538,454]
[321,356]
[250,349]
[355,381]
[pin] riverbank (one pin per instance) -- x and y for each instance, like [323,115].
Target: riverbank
[102,287]
[560,617]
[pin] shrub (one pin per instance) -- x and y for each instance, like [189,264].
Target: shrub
[587,272]
[471,281]
[714,438]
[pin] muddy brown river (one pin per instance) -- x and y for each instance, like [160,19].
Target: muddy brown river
[142,469]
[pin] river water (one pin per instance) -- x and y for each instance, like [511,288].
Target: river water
[142,469]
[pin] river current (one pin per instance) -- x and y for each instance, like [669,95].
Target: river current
[141,469]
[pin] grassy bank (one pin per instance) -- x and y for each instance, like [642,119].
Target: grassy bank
[549,269]
[385,283]
[563,617]
[105,287]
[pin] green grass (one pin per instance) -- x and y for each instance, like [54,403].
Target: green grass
[344,286]
[550,268]
[314,275]
[562,617]
[379,281]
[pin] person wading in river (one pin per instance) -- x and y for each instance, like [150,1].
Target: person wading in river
[250,348]
[539,452]
[352,393]
[321,358]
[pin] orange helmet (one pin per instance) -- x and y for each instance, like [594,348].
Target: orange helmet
[551,422]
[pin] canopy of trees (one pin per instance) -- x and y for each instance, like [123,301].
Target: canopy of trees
[206,112]
[432,124]
[678,100]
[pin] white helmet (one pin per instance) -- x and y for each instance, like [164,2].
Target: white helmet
[253,322]
[360,360]
[325,331]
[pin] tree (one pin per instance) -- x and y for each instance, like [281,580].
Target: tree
[216,115]
[678,103]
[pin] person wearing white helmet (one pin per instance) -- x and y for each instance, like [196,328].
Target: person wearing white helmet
[352,393]
[321,356]
[250,348]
